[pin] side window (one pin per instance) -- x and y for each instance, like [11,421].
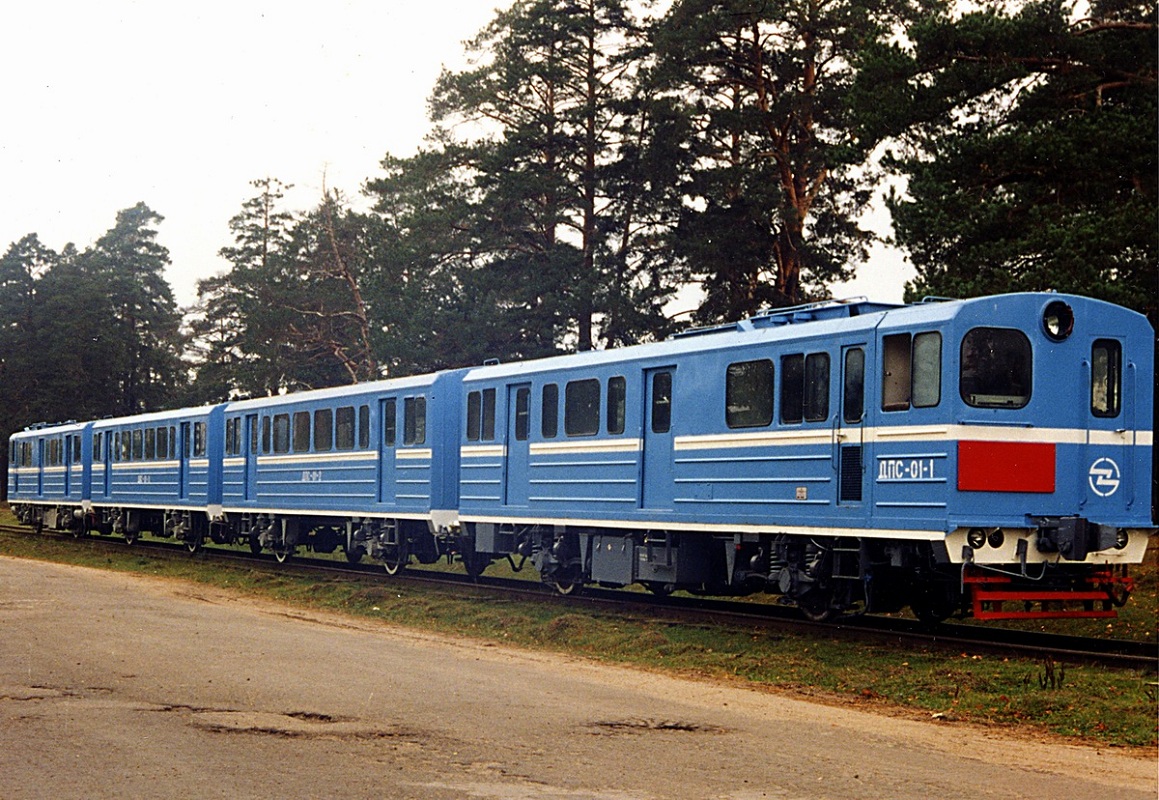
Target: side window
[481,415]
[617,404]
[323,430]
[363,427]
[281,434]
[151,443]
[661,402]
[77,451]
[748,394]
[912,371]
[265,436]
[1106,377]
[389,421]
[550,411]
[414,423]
[301,431]
[853,395]
[198,439]
[581,408]
[138,445]
[98,441]
[792,388]
[522,414]
[927,370]
[996,368]
[344,424]
[816,388]
[231,442]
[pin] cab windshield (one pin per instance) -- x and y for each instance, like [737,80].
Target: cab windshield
[996,368]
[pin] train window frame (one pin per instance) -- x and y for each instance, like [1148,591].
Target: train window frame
[150,444]
[344,424]
[1106,378]
[77,450]
[138,438]
[911,366]
[522,413]
[661,401]
[549,411]
[977,376]
[581,407]
[818,377]
[481,415]
[323,430]
[281,434]
[617,402]
[300,431]
[853,386]
[200,440]
[364,427]
[98,441]
[390,421]
[805,383]
[414,420]
[267,434]
[749,393]
[231,436]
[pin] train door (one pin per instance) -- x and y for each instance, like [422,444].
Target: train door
[183,461]
[67,465]
[107,457]
[250,448]
[40,453]
[850,442]
[388,413]
[1109,418]
[515,472]
[656,479]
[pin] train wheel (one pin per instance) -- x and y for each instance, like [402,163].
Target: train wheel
[193,543]
[255,543]
[282,552]
[568,581]
[395,559]
[354,555]
[475,563]
[815,606]
[131,537]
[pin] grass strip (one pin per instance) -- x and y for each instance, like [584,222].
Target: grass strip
[1107,706]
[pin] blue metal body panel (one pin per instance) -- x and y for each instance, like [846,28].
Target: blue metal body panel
[59,470]
[377,467]
[781,476]
[180,470]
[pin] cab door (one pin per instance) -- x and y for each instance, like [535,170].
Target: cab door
[850,442]
[515,478]
[656,479]
[388,414]
[1108,468]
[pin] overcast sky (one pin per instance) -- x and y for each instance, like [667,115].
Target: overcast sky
[113,102]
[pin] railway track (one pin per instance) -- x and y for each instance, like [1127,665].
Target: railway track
[905,632]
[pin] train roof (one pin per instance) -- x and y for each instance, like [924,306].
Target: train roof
[810,321]
[336,392]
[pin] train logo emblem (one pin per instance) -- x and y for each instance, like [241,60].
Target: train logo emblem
[1103,477]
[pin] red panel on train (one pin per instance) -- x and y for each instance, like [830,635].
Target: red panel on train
[1005,467]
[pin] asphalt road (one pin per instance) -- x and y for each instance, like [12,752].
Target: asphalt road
[121,686]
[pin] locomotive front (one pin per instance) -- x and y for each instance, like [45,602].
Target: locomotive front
[1054,453]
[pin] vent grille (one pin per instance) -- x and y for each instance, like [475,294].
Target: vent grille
[851,473]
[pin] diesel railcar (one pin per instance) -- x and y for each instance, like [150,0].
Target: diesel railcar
[990,456]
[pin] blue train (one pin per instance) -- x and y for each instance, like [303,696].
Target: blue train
[990,456]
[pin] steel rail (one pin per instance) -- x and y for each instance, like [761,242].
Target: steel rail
[1120,653]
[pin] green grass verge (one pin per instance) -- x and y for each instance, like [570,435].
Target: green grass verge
[1107,706]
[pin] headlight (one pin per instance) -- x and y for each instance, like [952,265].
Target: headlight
[976,538]
[1057,320]
[996,538]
